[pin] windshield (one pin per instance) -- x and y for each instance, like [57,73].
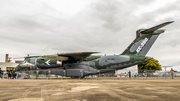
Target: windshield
[23,62]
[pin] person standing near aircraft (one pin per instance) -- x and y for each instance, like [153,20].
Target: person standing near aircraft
[37,73]
[5,75]
[9,74]
[13,73]
[172,73]
[0,73]
[129,74]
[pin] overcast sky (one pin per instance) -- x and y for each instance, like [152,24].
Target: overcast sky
[41,27]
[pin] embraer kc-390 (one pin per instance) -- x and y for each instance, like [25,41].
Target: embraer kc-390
[83,63]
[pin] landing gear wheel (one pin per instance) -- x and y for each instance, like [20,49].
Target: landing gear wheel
[82,77]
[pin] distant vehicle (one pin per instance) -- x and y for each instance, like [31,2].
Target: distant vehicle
[161,73]
[122,75]
[83,63]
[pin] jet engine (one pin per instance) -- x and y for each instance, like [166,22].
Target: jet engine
[48,63]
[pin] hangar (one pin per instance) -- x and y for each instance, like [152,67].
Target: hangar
[8,64]
[124,72]
[5,66]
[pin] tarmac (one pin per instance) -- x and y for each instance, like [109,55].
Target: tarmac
[89,90]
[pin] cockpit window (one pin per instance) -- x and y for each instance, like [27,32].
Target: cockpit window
[23,62]
[32,60]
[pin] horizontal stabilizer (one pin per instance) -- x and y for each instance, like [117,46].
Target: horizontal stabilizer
[152,29]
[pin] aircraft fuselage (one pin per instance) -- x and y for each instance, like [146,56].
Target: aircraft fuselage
[87,66]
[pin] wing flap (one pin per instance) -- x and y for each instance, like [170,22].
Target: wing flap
[77,55]
[70,56]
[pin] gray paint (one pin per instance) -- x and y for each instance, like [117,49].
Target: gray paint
[148,45]
[75,72]
[105,60]
[135,45]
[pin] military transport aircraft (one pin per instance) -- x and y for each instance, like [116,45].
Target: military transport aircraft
[83,63]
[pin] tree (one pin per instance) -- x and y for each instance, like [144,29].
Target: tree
[152,64]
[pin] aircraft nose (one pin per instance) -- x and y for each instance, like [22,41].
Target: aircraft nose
[16,69]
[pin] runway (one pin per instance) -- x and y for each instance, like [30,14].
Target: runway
[89,90]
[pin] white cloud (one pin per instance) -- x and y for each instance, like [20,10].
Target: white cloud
[108,26]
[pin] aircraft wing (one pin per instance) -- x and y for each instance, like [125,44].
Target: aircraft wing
[70,56]
[78,55]
[156,27]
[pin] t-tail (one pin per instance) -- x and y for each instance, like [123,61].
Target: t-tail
[144,40]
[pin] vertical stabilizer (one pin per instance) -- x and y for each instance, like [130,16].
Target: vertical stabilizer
[144,40]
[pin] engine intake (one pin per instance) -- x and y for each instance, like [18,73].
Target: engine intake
[59,63]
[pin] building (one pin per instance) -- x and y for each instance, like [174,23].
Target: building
[124,72]
[7,64]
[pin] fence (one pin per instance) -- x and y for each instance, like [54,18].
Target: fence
[125,74]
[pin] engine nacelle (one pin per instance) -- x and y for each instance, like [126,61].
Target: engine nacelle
[48,63]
